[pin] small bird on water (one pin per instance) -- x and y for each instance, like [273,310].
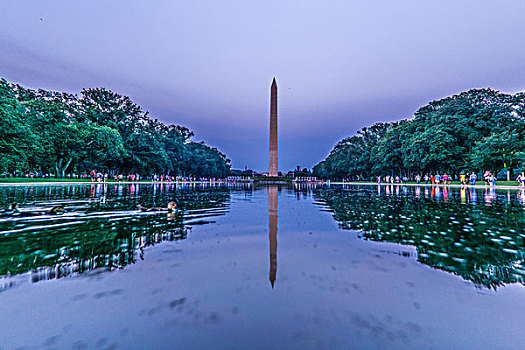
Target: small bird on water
[171,207]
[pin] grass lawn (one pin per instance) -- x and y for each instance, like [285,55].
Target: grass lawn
[506,183]
[36,180]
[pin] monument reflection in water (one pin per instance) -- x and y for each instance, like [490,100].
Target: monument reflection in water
[272,226]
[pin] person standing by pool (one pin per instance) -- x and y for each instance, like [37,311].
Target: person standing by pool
[492,180]
[463,179]
[418,179]
[521,179]
[486,177]
[449,179]
[426,179]
[473,178]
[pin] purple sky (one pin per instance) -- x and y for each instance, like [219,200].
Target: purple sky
[208,65]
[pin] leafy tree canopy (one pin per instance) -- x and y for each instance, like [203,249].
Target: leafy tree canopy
[52,132]
[475,130]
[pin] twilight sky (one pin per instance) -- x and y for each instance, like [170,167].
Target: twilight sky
[340,65]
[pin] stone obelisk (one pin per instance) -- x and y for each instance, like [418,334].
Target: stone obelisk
[273,169]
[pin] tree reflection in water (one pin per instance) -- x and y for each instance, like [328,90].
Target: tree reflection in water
[101,227]
[478,235]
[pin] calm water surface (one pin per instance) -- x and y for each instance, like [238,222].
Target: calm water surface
[241,267]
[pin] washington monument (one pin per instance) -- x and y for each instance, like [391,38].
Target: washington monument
[273,169]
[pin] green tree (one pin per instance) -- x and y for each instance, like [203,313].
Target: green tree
[447,135]
[47,131]
[503,150]
[16,135]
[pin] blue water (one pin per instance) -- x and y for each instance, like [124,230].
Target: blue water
[240,267]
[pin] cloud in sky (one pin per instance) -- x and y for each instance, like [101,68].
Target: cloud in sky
[208,65]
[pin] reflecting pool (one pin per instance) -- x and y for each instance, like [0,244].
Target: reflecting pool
[238,266]
[481,242]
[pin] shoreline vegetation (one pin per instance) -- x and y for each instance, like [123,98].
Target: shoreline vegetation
[47,132]
[472,132]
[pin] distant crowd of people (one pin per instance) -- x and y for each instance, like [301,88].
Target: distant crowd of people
[104,177]
[433,179]
[97,176]
[465,178]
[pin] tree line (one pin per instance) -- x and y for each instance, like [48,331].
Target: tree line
[474,131]
[55,132]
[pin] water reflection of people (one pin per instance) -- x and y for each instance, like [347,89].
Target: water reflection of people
[437,192]
[463,195]
[272,226]
[473,195]
[490,195]
[521,196]
[132,191]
